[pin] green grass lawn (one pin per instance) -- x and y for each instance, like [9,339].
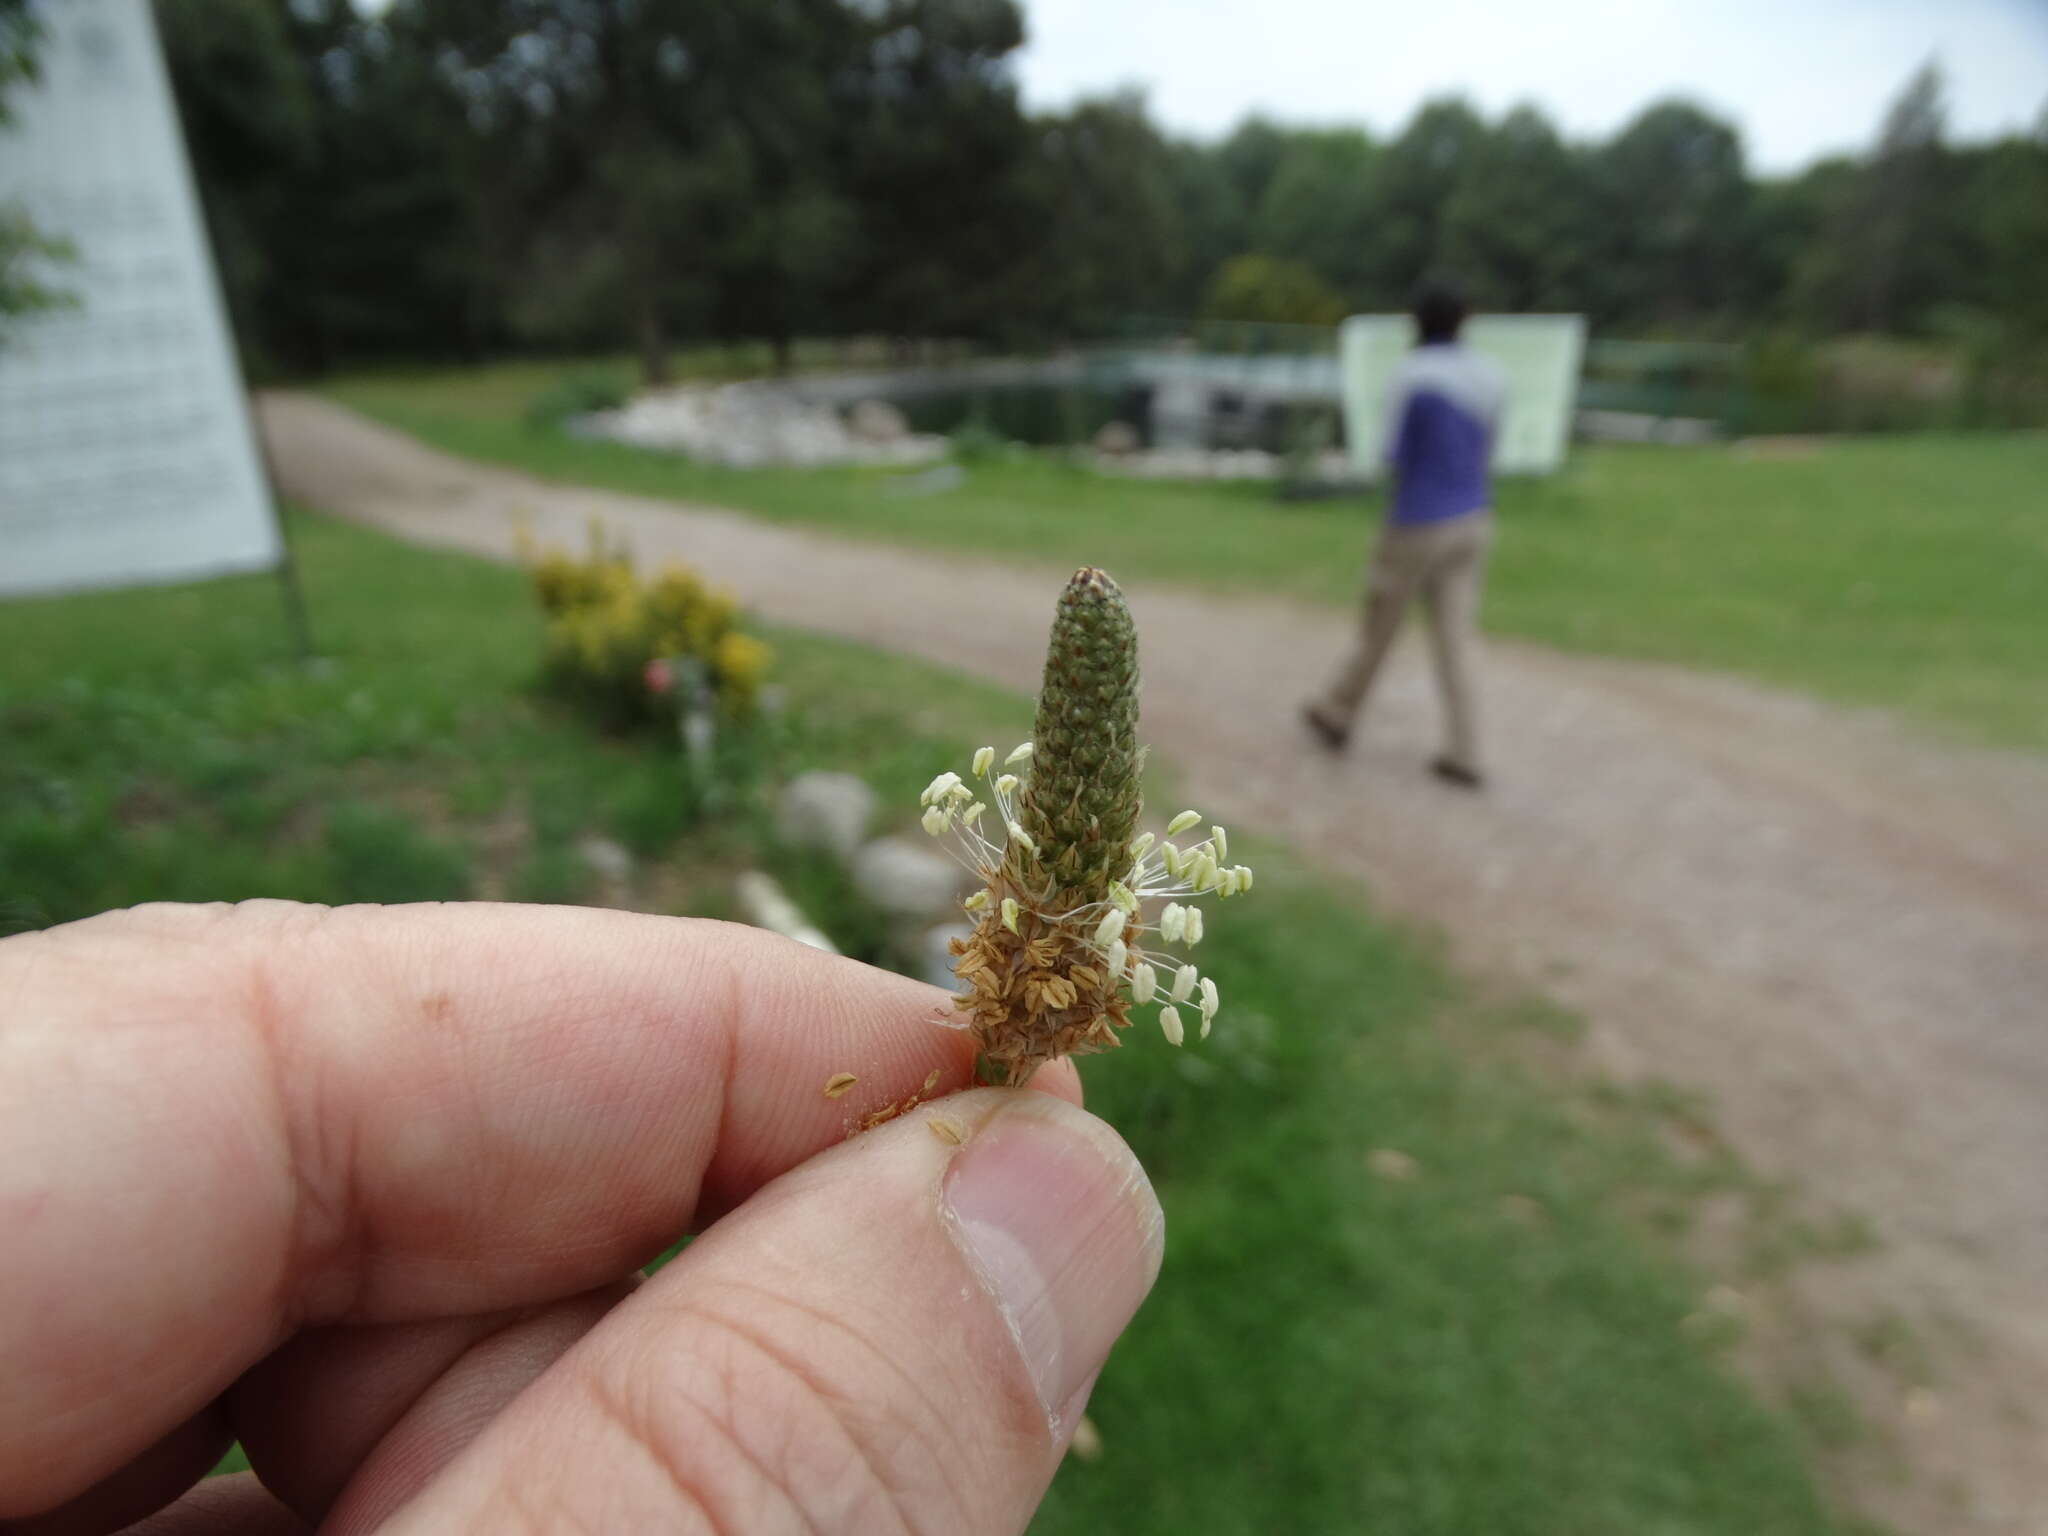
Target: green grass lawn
[1906,572]
[1495,1345]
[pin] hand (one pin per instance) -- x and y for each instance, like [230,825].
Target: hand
[368,1189]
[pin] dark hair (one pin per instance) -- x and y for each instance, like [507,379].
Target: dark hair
[1439,307]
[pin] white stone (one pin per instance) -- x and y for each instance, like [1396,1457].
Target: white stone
[607,859]
[1117,438]
[768,906]
[877,421]
[830,811]
[906,879]
[932,955]
[754,424]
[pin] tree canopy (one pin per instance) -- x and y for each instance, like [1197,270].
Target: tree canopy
[452,176]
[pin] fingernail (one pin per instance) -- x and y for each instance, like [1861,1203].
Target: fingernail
[1060,1223]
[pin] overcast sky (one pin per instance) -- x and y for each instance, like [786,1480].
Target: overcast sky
[1803,78]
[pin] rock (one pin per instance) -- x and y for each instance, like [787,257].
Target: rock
[1392,1164]
[935,481]
[768,906]
[1117,438]
[1522,1210]
[877,421]
[607,859]
[825,810]
[932,955]
[752,424]
[906,879]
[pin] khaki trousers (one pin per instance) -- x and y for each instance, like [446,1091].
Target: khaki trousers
[1443,564]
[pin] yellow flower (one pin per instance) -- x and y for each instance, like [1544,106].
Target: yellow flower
[740,664]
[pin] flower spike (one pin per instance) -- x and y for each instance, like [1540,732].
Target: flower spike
[1074,896]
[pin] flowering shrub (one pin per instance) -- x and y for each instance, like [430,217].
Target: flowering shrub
[634,652]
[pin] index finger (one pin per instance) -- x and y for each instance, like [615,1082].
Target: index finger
[220,1124]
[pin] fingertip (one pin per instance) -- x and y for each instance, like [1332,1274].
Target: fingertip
[1061,1079]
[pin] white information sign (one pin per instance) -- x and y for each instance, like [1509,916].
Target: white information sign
[1541,354]
[127,453]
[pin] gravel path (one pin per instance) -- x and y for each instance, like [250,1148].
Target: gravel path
[1835,931]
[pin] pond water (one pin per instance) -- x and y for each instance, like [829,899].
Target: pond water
[1045,414]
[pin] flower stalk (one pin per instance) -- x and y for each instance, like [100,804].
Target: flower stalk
[1075,900]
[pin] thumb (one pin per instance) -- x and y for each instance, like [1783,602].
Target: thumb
[897,1335]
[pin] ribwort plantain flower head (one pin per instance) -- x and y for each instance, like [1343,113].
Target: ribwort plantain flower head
[1076,903]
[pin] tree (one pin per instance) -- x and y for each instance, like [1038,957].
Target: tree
[939,162]
[1672,196]
[1274,291]
[27,254]
[1416,176]
[1214,223]
[450,176]
[246,109]
[1106,242]
[1901,211]
[1321,206]
[1517,224]
[2008,213]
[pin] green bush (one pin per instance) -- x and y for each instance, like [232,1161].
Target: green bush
[626,650]
[576,394]
[1272,291]
[976,440]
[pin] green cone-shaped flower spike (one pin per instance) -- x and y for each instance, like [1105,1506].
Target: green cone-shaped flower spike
[1080,804]
[1080,916]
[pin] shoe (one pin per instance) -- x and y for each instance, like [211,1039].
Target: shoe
[1333,737]
[1451,771]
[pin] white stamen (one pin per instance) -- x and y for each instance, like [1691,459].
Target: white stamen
[1173,922]
[937,820]
[1010,914]
[1119,958]
[1007,784]
[982,758]
[1111,928]
[977,901]
[1222,843]
[1193,927]
[1142,846]
[1120,894]
[1021,752]
[1209,1005]
[938,788]
[1169,1021]
[1018,835]
[1244,877]
[1183,985]
[1144,982]
[973,813]
[1182,822]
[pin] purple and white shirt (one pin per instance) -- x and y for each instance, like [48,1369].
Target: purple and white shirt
[1443,405]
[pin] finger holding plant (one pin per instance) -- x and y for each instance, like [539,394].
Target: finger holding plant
[1080,915]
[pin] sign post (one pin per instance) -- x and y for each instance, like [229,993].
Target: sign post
[128,453]
[1539,353]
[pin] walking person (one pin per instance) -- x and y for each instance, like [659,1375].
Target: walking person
[1444,404]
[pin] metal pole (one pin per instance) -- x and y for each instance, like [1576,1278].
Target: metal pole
[290,590]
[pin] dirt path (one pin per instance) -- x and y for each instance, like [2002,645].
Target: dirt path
[1836,932]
